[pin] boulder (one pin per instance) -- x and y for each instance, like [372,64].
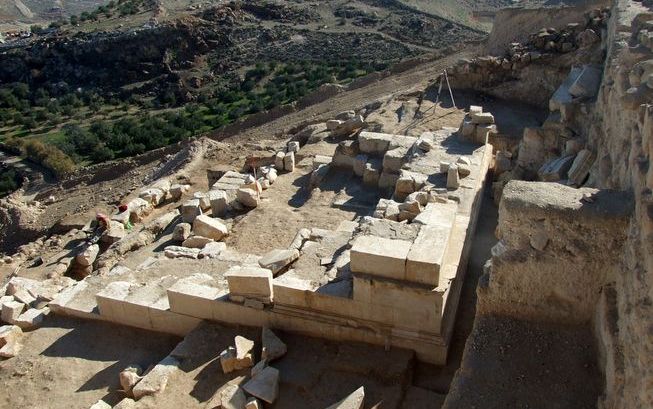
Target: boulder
[272,347]
[271,176]
[248,197]
[230,360]
[10,340]
[197,242]
[209,227]
[190,210]
[181,232]
[265,385]
[277,260]
[345,115]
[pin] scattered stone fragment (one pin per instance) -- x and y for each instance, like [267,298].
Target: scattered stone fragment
[293,146]
[23,296]
[253,403]
[272,347]
[248,197]
[129,377]
[209,227]
[353,401]
[265,385]
[177,191]
[88,255]
[181,232]
[196,242]
[277,260]
[228,360]
[212,250]
[32,318]
[10,340]
[181,252]
[156,380]
[244,348]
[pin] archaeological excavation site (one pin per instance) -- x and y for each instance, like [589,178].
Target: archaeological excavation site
[467,228]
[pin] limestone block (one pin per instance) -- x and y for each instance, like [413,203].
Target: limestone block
[114,233]
[426,142]
[354,401]
[11,311]
[212,250]
[289,162]
[293,146]
[374,143]
[360,161]
[100,405]
[394,159]
[244,350]
[273,348]
[205,202]
[379,256]
[388,180]
[556,169]
[581,166]
[440,214]
[32,318]
[180,252]
[587,83]
[252,282]
[277,260]
[196,242]
[156,380]
[248,197]
[209,227]
[23,296]
[278,160]
[126,403]
[181,232]
[483,133]
[453,180]
[426,255]
[163,185]
[475,109]
[10,341]
[138,209]
[402,141]
[372,173]
[88,255]
[230,396]
[271,176]
[482,118]
[468,129]
[228,360]
[562,96]
[219,202]
[320,160]
[178,190]
[265,385]
[502,162]
[349,126]
[190,210]
[333,124]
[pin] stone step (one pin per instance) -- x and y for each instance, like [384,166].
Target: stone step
[78,301]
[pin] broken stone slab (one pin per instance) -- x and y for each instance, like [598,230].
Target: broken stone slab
[197,242]
[265,385]
[88,255]
[244,349]
[556,169]
[426,142]
[562,96]
[209,227]
[23,296]
[10,341]
[250,282]
[301,237]
[374,143]
[228,360]
[177,191]
[482,118]
[587,83]
[32,318]
[248,197]
[581,167]
[276,260]
[379,256]
[181,232]
[354,401]
[11,311]
[212,250]
[156,380]
[273,348]
[190,210]
[181,252]
[256,369]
